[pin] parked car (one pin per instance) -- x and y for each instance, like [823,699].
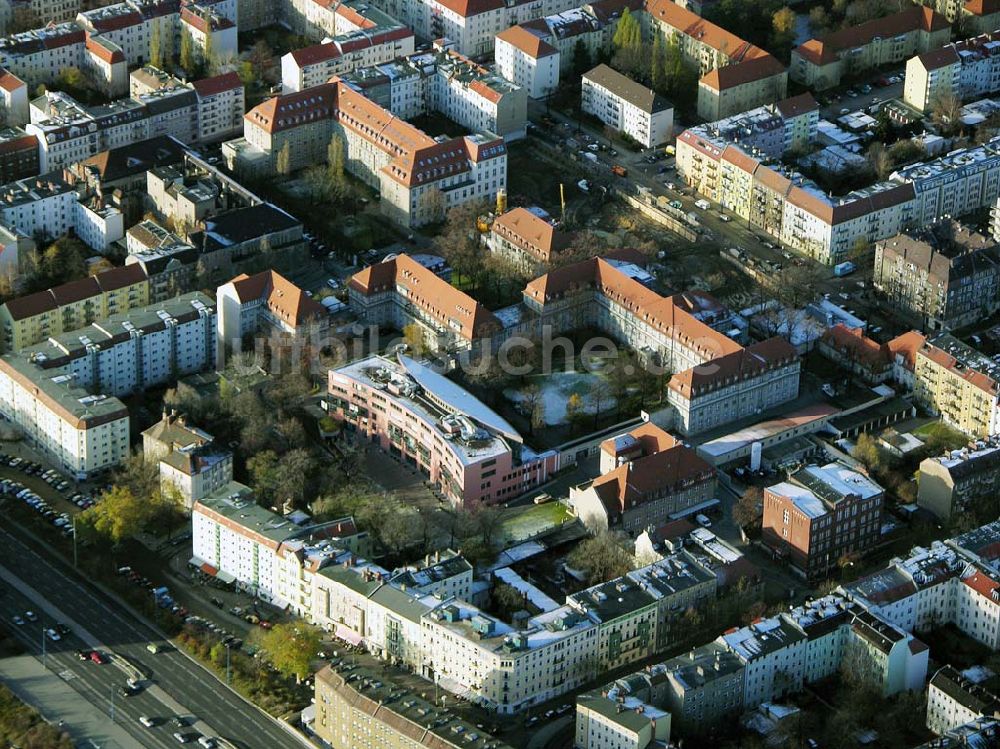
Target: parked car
[31,616]
[98,657]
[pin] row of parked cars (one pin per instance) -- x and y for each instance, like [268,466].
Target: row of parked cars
[18,490]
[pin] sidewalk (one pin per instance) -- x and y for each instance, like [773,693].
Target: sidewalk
[52,696]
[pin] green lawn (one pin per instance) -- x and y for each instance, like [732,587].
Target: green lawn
[525,521]
[940,434]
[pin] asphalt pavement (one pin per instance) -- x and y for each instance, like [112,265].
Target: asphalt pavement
[176,685]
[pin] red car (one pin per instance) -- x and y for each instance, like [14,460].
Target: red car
[98,657]
[265,624]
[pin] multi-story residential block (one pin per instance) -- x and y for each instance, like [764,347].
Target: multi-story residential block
[741,381]
[527,237]
[442,80]
[221,100]
[528,61]
[264,553]
[944,277]
[627,107]
[33,318]
[314,65]
[821,514]
[13,100]
[973,16]
[960,384]
[471,25]
[872,362]
[37,56]
[53,11]
[77,431]
[400,292]
[800,214]
[465,449]
[168,261]
[953,700]
[536,53]
[39,206]
[967,70]
[654,477]
[760,79]
[209,31]
[619,723]
[822,63]
[885,656]
[703,687]
[266,303]
[190,461]
[418,177]
[955,482]
[18,155]
[133,351]
[180,199]
[352,702]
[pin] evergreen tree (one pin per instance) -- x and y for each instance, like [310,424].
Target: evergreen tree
[335,165]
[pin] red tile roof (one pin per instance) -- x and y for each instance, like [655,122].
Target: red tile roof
[741,73]
[984,585]
[638,481]
[9,81]
[466,8]
[429,292]
[217,84]
[705,32]
[906,346]
[855,345]
[826,50]
[529,43]
[530,233]
[284,300]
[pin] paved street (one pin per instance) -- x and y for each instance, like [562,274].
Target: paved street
[178,685]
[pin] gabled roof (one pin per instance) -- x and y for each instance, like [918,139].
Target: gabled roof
[907,345]
[524,40]
[826,50]
[284,300]
[705,32]
[428,291]
[217,84]
[646,478]
[531,233]
[739,74]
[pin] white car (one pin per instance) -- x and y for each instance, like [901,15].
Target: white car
[702,520]
[53,635]
[147,721]
[207,741]
[333,283]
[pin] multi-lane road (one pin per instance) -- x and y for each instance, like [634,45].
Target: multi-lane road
[176,685]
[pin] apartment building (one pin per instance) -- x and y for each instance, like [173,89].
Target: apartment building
[528,61]
[190,462]
[471,25]
[266,303]
[238,235]
[132,351]
[757,78]
[654,477]
[81,433]
[13,100]
[704,686]
[870,361]
[536,53]
[445,81]
[209,31]
[168,261]
[741,381]
[823,63]
[266,554]
[54,11]
[466,450]
[974,16]
[968,69]
[954,482]
[69,132]
[820,514]
[401,292]
[18,155]
[314,65]
[527,237]
[622,723]
[419,178]
[37,56]
[627,107]
[885,656]
[351,702]
[43,205]
[31,319]
[958,383]
[221,100]
[181,199]
[946,276]
[954,700]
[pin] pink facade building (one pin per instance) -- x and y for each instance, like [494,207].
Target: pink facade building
[467,450]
